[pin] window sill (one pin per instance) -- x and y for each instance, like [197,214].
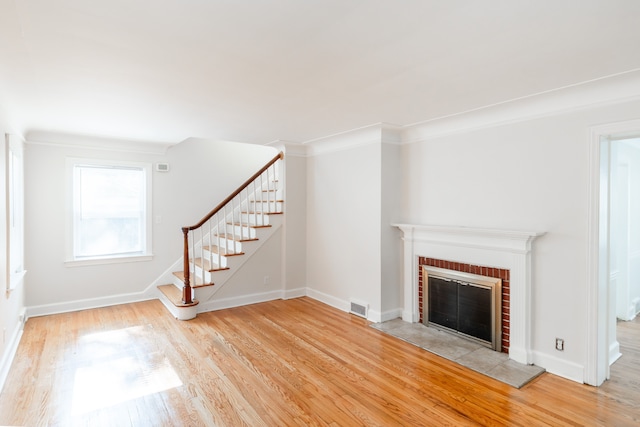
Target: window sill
[110,260]
[16,280]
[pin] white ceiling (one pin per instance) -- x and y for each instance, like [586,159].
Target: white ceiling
[295,70]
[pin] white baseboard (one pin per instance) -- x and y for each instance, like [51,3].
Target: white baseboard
[614,352]
[378,317]
[10,353]
[374,316]
[519,354]
[294,293]
[562,368]
[343,305]
[334,302]
[391,314]
[84,304]
[220,304]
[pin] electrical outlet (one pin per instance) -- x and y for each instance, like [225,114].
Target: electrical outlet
[559,344]
[266,280]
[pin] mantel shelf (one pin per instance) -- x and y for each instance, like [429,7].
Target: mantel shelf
[508,249]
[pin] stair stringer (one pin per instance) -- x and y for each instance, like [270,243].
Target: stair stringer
[208,296]
[220,278]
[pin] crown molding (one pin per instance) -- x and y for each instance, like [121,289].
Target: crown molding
[616,88]
[96,143]
[290,148]
[385,133]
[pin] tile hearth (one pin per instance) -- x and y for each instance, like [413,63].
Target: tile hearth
[466,353]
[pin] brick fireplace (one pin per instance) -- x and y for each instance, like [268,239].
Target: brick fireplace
[499,273]
[505,254]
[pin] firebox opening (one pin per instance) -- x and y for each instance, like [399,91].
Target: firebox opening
[466,304]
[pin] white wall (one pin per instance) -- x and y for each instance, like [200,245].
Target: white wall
[529,175]
[391,244]
[202,173]
[11,303]
[295,208]
[343,226]
[248,285]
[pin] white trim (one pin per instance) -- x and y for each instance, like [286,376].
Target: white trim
[294,293]
[97,143]
[180,313]
[496,248]
[14,147]
[367,135]
[16,280]
[614,352]
[391,314]
[108,260]
[146,254]
[598,92]
[560,367]
[239,301]
[596,368]
[289,148]
[334,302]
[10,353]
[374,315]
[231,302]
[89,303]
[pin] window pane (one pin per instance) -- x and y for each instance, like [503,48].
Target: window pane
[110,211]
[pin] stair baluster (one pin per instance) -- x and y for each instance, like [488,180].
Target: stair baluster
[219,221]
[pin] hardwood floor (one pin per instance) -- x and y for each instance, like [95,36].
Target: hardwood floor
[296,362]
[625,372]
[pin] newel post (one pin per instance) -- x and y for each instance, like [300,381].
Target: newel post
[186,289]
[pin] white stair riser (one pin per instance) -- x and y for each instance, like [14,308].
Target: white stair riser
[244,231]
[255,219]
[222,261]
[232,263]
[266,206]
[278,194]
[230,244]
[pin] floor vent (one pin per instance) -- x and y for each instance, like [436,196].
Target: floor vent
[359,309]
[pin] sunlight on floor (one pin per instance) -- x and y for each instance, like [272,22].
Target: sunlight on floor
[113,374]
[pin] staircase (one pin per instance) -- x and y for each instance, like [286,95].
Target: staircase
[223,241]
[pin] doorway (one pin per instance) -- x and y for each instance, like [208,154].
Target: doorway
[613,242]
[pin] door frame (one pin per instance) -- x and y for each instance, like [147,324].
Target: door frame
[599,318]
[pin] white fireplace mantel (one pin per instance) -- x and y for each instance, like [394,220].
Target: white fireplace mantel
[505,249]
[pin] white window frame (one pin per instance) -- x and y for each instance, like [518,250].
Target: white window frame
[14,180]
[146,254]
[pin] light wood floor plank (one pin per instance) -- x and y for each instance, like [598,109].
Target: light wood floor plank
[297,362]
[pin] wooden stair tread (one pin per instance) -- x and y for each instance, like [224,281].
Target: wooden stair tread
[174,295]
[206,265]
[236,238]
[261,213]
[249,225]
[216,250]
[199,283]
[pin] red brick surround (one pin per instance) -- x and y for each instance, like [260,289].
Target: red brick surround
[473,269]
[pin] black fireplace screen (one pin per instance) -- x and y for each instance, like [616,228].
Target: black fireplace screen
[460,306]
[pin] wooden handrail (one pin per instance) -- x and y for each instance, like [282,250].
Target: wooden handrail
[186,289]
[234,194]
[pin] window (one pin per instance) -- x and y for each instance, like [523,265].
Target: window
[111,211]
[15,211]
